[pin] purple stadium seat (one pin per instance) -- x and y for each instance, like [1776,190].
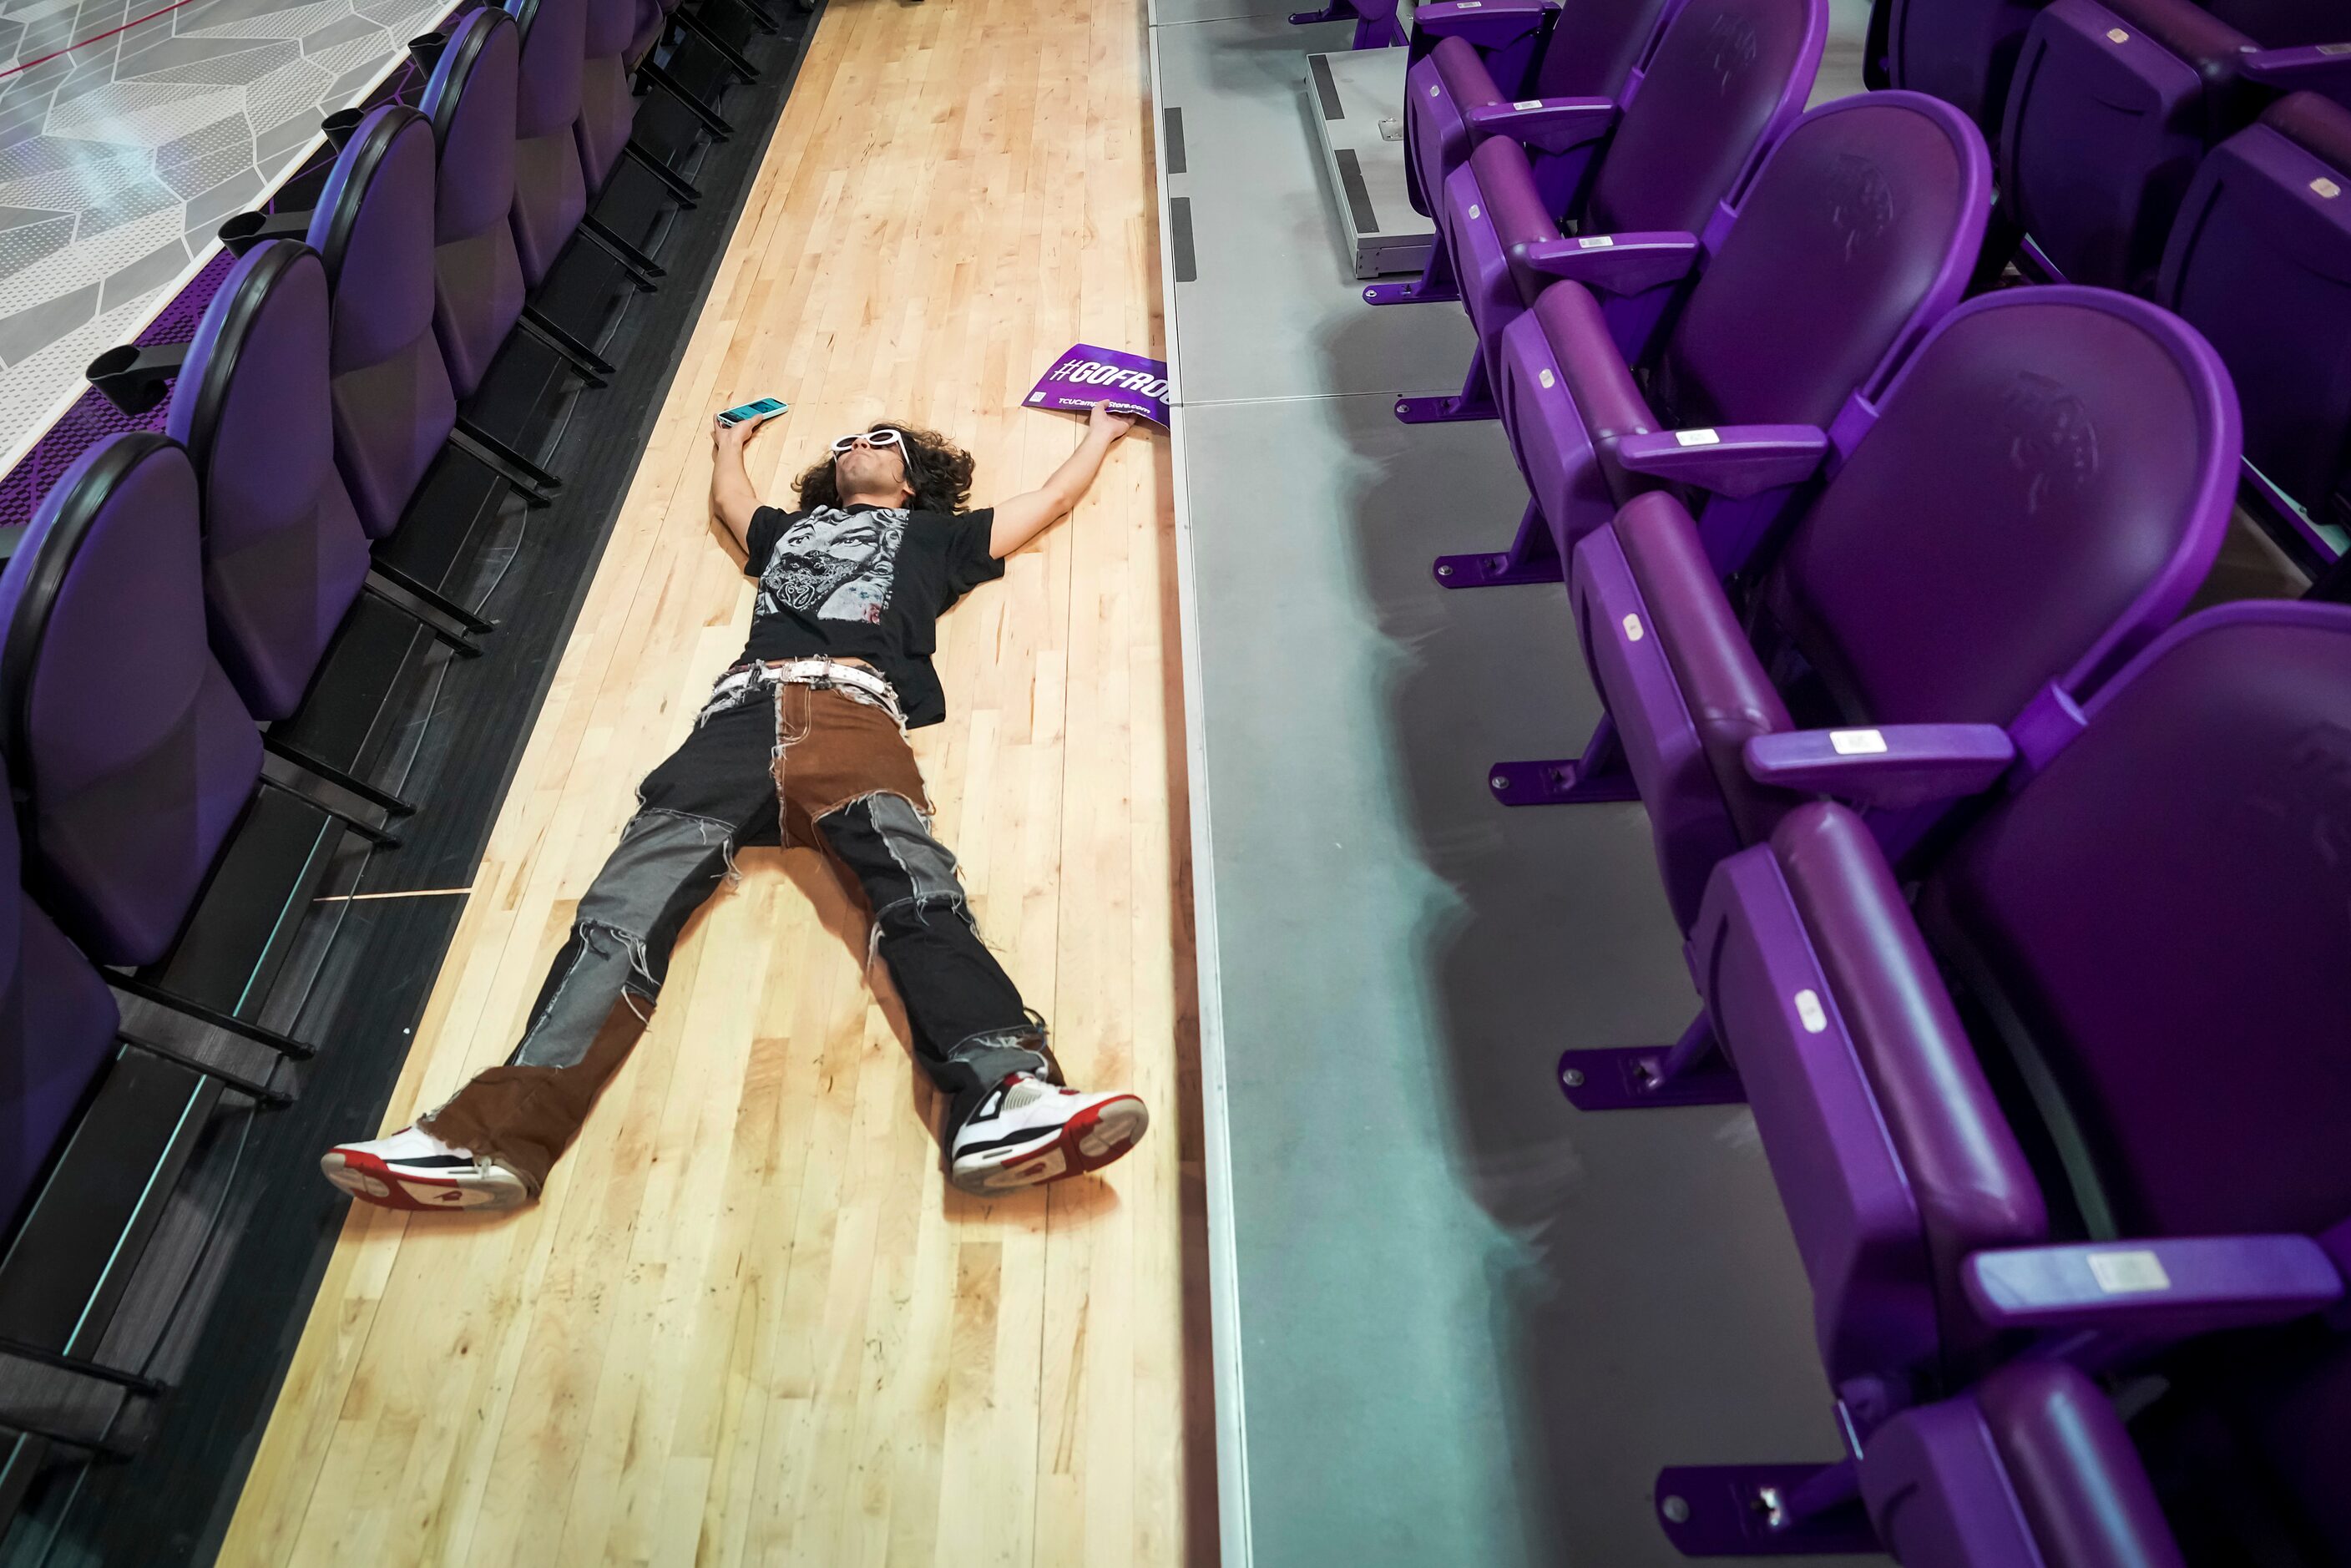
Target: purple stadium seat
[2115,101]
[2086,1089]
[1495,52]
[284,552]
[1725,79]
[131,753]
[56,1030]
[2047,483]
[393,405]
[2032,1466]
[1851,239]
[2260,260]
[551,194]
[1961,51]
[477,288]
[607,107]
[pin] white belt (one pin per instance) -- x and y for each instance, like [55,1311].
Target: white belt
[732,687]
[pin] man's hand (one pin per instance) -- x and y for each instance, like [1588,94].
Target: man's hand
[1107,421]
[725,437]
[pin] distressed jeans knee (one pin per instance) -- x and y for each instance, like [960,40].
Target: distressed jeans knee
[666,865]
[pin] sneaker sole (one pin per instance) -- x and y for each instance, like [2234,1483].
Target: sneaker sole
[371,1180]
[1088,1140]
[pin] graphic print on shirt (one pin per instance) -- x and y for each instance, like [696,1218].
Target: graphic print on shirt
[836,565]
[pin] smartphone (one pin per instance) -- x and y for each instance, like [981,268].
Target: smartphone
[759,410]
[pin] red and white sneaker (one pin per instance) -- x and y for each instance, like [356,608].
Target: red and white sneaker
[1027,1132]
[413,1169]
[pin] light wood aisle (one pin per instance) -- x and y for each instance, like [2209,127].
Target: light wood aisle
[748,1323]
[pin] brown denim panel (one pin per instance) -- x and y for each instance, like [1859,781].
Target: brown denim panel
[527,1116]
[832,748]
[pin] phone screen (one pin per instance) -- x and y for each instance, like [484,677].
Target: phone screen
[759,410]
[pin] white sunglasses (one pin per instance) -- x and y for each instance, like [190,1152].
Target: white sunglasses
[885,436]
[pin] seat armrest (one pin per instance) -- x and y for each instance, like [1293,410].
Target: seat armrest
[1545,124]
[1731,460]
[1891,766]
[2141,1290]
[1483,24]
[2314,68]
[1617,264]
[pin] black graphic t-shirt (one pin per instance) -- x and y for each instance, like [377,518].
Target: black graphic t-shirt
[865,583]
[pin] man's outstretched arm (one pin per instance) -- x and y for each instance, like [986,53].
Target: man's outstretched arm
[1024,517]
[732,498]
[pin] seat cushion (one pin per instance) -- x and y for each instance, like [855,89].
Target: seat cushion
[1967,1172]
[1610,401]
[56,1030]
[390,418]
[1439,90]
[1551,432]
[2318,125]
[608,113]
[1724,686]
[551,197]
[1638,681]
[2073,1470]
[477,296]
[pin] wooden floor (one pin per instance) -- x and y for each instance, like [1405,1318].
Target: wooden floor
[748,1323]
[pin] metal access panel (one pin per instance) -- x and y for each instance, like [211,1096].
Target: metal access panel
[1356,99]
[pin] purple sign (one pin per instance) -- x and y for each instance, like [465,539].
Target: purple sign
[1087,375]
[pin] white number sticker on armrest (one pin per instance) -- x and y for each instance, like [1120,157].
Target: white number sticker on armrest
[2126,1273]
[1698,437]
[1528,103]
[1856,742]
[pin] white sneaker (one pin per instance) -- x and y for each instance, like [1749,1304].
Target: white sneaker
[413,1169]
[1029,1130]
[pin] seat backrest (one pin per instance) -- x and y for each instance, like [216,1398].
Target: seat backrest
[478,286]
[550,187]
[2048,481]
[607,107]
[1725,77]
[470,101]
[56,1027]
[554,43]
[284,552]
[2259,261]
[393,405]
[1594,44]
[1961,51]
[1856,233]
[128,747]
[2163,908]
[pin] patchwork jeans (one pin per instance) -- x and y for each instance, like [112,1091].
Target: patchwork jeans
[809,763]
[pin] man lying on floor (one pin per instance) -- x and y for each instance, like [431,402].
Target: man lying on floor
[806,739]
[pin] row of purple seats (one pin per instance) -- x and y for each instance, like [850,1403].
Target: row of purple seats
[1923,561]
[1719,84]
[1956,619]
[2196,153]
[1850,238]
[1483,59]
[176,596]
[2057,1126]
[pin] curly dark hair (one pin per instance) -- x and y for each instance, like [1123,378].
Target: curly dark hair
[939,469]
